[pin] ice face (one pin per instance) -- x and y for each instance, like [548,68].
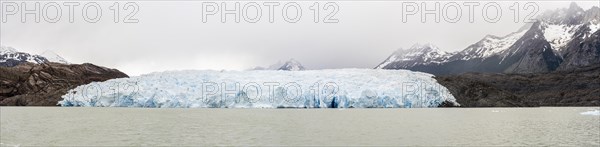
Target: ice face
[339,88]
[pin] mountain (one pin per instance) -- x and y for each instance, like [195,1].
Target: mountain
[580,54]
[418,54]
[12,57]
[584,49]
[562,39]
[530,54]
[490,45]
[53,57]
[290,65]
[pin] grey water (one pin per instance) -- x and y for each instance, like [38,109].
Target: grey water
[79,126]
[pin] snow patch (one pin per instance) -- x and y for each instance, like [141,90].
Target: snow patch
[594,28]
[492,45]
[559,35]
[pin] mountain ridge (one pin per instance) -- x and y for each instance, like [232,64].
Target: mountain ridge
[554,42]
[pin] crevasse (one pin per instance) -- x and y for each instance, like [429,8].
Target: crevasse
[332,88]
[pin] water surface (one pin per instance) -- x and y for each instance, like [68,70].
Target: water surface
[60,126]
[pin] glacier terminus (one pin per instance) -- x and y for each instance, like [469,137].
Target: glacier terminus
[330,88]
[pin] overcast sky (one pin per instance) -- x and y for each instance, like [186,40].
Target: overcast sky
[172,35]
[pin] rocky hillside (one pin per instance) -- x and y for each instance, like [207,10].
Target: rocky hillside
[30,84]
[576,87]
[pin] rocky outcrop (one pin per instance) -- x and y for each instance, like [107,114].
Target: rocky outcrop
[578,87]
[29,84]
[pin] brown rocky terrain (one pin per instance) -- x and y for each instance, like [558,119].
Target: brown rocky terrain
[30,84]
[577,87]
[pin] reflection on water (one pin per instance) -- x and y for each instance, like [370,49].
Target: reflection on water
[138,126]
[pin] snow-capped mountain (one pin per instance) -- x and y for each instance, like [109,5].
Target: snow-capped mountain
[418,54]
[559,40]
[564,25]
[573,15]
[583,49]
[53,57]
[489,45]
[291,65]
[12,57]
[530,54]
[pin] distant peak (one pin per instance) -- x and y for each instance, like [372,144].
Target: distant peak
[573,15]
[424,45]
[574,6]
[292,65]
[7,49]
[54,57]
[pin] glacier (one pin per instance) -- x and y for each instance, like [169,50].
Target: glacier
[329,88]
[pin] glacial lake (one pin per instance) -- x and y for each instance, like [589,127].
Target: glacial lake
[77,126]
